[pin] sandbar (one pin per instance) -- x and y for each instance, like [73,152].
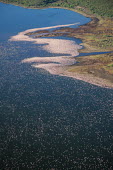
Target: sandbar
[66,51]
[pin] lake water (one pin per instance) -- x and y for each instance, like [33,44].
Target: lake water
[46,121]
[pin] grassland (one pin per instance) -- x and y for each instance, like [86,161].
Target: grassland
[100,8]
[96,36]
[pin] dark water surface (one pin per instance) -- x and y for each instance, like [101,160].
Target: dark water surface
[48,122]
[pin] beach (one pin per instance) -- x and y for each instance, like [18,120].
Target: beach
[66,51]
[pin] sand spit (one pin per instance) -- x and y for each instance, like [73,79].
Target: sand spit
[23,37]
[53,65]
[64,52]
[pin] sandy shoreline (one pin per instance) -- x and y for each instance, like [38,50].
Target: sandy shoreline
[67,50]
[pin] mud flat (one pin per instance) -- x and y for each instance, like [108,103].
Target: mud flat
[67,51]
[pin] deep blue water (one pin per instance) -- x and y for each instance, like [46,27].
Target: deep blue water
[48,122]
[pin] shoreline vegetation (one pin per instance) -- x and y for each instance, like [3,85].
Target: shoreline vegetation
[96,36]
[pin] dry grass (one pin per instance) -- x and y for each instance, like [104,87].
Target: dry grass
[96,65]
[96,36]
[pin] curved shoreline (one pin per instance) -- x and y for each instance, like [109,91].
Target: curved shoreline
[58,65]
[88,78]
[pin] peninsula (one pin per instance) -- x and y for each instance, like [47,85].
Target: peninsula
[97,36]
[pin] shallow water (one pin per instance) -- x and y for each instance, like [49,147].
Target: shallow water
[15,19]
[47,121]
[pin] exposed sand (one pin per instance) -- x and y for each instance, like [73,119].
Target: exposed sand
[66,50]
